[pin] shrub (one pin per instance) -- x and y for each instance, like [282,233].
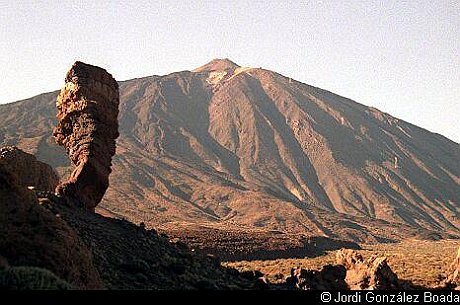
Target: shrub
[31,278]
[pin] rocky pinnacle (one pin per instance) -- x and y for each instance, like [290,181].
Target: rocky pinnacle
[87,128]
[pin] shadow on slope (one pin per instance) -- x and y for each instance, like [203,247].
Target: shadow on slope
[235,245]
[128,256]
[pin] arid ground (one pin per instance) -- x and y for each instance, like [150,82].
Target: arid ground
[423,263]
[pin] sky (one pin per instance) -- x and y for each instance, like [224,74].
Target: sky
[402,57]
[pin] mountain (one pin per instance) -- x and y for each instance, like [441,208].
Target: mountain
[233,153]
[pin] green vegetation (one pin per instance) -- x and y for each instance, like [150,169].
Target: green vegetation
[31,278]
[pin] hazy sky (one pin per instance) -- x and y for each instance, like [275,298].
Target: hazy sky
[402,57]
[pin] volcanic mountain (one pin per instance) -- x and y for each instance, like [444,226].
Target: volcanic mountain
[226,151]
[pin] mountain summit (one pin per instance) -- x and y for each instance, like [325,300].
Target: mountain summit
[217,65]
[224,148]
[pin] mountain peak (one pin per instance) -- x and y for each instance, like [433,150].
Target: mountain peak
[217,64]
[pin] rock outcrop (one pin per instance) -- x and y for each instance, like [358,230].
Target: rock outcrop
[351,271]
[32,236]
[453,276]
[28,170]
[372,273]
[88,127]
[330,277]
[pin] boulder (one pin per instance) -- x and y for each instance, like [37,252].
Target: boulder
[373,273]
[87,128]
[28,170]
[330,277]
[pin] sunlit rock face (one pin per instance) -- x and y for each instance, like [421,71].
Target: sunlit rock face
[87,128]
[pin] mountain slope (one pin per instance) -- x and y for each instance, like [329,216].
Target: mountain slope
[233,148]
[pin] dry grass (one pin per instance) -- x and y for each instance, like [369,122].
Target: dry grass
[424,263]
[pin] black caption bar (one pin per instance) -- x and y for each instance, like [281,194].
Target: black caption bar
[215,297]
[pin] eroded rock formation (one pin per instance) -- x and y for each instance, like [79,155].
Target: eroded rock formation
[29,171]
[372,273]
[88,127]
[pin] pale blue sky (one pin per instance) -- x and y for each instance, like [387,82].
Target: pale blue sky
[402,57]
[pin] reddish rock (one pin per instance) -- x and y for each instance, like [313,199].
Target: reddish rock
[372,273]
[29,171]
[33,236]
[351,272]
[87,128]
